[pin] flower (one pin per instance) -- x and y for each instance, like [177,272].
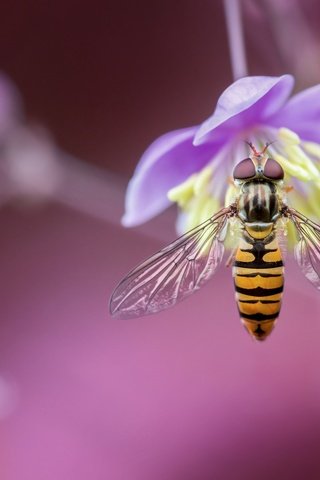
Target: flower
[11,111]
[30,164]
[191,166]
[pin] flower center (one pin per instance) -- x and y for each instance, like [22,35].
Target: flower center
[194,197]
[203,193]
[297,157]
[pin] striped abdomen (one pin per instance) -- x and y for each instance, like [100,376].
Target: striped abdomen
[258,276]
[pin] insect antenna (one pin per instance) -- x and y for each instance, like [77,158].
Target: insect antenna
[255,151]
[253,148]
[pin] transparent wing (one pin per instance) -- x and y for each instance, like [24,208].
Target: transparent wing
[174,272]
[282,236]
[307,250]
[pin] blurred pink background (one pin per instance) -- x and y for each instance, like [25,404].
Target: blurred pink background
[186,394]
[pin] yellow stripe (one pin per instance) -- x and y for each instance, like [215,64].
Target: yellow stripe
[272,256]
[242,296]
[258,234]
[265,308]
[245,271]
[255,282]
[244,256]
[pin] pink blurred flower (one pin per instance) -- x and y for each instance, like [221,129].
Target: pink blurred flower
[11,112]
[30,163]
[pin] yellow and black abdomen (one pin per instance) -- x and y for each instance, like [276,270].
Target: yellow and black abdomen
[258,276]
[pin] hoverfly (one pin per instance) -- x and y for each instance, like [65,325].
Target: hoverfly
[186,264]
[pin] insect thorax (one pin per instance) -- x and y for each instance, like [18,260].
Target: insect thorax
[258,207]
[258,202]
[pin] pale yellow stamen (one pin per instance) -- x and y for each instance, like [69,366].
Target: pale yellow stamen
[315,211]
[288,136]
[195,212]
[296,161]
[298,156]
[312,148]
[292,169]
[210,208]
[231,195]
[183,193]
[201,209]
[202,180]
[194,188]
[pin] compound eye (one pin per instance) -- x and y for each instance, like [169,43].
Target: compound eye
[273,170]
[245,169]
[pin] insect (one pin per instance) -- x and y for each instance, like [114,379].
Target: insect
[259,214]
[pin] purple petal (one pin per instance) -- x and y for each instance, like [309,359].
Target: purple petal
[248,101]
[167,162]
[301,114]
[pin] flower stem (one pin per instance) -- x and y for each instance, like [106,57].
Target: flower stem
[236,38]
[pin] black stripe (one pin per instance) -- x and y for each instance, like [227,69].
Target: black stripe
[269,301]
[253,250]
[255,201]
[272,204]
[259,291]
[261,301]
[258,264]
[256,274]
[259,316]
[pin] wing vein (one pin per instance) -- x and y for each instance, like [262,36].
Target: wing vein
[174,272]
